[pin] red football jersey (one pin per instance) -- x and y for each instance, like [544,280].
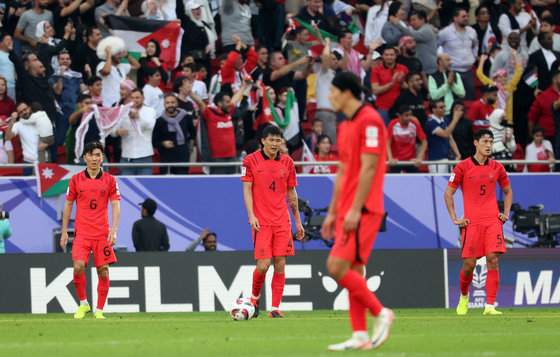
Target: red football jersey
[403,139]
[271,179]
[365,133]
[92,196]
[478,183]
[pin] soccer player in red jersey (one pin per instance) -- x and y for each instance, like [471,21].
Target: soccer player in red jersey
[356,210]
[482,233]
[92,189]
[268,178]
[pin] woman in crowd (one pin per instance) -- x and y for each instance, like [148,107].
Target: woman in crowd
[323,153]
[376,18]
[153,52]
[390,32]
[126,88]
[49,47]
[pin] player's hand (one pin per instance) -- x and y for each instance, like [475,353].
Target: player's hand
[300,234]
[327,229]
[393,162]
[63,240]
[417,161]
[462,223]
[503,217]
[112,237]
[254,222]
[351,221]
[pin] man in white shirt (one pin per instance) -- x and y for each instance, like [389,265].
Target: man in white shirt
[152,93]
[112,73]
[330,63]
[27,135]
[517,20]
[198,87]
[136,133]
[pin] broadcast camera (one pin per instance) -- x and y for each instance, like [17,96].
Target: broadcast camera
[544,226]
[4,214]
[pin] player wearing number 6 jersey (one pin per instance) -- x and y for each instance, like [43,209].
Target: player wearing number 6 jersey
[268,178]
[481,227]
[92,189]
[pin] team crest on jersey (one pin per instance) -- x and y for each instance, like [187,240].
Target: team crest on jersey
[117,187]
[103,191]
[282,173]
[491,176]
[243,171]
[372,137]
[452,177]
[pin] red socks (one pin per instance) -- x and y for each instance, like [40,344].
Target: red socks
[492,284]
[80,285]
[357,313]
[258,280]
[358,290]
[102,291]
[465,282]
[278,282]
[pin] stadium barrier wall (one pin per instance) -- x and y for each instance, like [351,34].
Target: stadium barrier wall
[186,205]
[184,282]
[528,278]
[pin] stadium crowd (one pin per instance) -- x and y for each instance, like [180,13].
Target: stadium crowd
[435,70]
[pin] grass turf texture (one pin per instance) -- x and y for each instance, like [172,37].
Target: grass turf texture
[428,332]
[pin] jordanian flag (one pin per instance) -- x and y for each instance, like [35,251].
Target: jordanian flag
[137,32]
[53,179]
[292,130]
[268,113]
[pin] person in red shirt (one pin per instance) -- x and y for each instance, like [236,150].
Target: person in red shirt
[356,210]
[220,127]
[323,153]
[480,111]
[481,226]
[401,143]
[92,190]
[387,79]
[541,110]
[268,178]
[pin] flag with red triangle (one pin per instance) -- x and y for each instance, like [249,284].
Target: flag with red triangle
[137,32]
[268,113]
[53,179]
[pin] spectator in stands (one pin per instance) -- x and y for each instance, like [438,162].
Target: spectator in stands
[110,7]
[14,11]
[93,134]
[27,25]
[425,38]
[460,41]
[316,130]
[541,61]
[262,60]
[27,135]
[174,135]
[387,79]
[504,59]
[445,84]
[430,10]
[330,64]
[440,139]
[463,133]
[111,70]
[84,58]
[149,234]
[239,64]
[127,86]
[198,87]
[155,11]
[480,110]
[406,57]
[516,19]
[181,87]
[270,23]
[208,239]
[390,31]
[7,104]
[355,59]
[152,60]
[49,47]
[6,150]
[547,25]
[412,98]
[323,152]
[236,20]
[539,149]
[377,15]
[95,88]
[541,110]
[487,32]
[403,133]
[152,93]
[200,36]
[7,69]
[136,133]
[313,12]
[504,141]
[280,75]
[69,11]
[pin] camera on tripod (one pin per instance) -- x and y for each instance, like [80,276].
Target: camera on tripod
[544,226]
[4,214]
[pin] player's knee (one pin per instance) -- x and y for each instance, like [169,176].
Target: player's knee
[492,262]
[468,268]
[262,266]
[279,265]
[103,272]
[335,270]
[79,267]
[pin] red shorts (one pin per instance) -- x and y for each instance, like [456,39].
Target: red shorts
[479,239]
[356,246]
[273,241]
[101,248]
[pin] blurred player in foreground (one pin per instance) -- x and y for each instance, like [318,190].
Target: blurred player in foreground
[482,233]
[356,209]
[92,189]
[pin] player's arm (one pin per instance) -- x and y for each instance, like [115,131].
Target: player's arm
[327,229]
[450,204]
[508,200]
[293,202]
[369,165]
[65,220]
[116,207]
[248,197]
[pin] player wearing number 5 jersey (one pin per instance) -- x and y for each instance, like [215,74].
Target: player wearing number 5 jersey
[268,178]
[481,227]
[92,190]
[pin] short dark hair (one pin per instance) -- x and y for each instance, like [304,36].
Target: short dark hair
[458,10]
[89,30]
[477,11]
[63,52]
[457,103]
[83,97]
[394,8]
[481,132]
[220,97]
[91,81]
[319,139]
[36,107]
[271,130]
[316,120]
[3,35]
[488,89]
[92,145]
[421,14]
[298,30]
[410,75]
[403,108]
[434,103]
[386,48]
[260,47]
[208,235]
[541,36]
[137,90]
[548,19]
[192,66]
[178,83]
[150,71]
[348,81]
[538,129]
[510,3]
[170,95]
[342,33]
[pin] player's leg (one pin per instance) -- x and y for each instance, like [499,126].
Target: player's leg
[465,280]
[472,244]
[102,289]
[278,282]
[80,256]
[492,283]
[262,242]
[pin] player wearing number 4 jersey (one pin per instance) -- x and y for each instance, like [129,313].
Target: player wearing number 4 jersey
[268,178]
[481,227]
[92,190]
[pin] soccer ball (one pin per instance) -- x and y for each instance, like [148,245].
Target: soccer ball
[242,309]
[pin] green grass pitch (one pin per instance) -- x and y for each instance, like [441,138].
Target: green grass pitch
[416,332]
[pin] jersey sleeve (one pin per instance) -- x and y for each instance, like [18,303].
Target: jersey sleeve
[71,191]
[292,179]
[390,129]
[419,132]
[114,193]
[456,177]
[371,137]
[247,171]
[503,179]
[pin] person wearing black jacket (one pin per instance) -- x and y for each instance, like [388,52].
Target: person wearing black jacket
[311,14]
[152,60]
[149,234]
[463,133]
[538,61]
[84,58]
[412,97]
[486,30]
